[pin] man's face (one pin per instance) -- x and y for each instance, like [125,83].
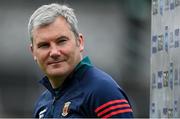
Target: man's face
[56,49]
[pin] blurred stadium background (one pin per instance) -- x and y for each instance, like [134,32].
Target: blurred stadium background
[117,34]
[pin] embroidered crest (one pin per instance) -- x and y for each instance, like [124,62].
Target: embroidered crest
[65,111]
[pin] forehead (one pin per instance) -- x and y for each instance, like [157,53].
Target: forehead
[57,28]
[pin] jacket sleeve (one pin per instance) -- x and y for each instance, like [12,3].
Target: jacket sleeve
[110,101]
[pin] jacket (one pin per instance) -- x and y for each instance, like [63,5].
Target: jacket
[87,92]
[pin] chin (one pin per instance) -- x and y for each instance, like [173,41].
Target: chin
[56,73]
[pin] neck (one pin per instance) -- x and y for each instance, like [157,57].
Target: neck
[56,82]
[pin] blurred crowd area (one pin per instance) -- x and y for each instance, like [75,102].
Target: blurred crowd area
[117,39]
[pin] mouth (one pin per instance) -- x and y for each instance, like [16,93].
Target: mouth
[53,62]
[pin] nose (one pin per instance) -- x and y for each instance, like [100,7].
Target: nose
[54,52]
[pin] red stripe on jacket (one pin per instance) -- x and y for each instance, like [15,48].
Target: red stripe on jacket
[110,103]
[117,112]
[112,108]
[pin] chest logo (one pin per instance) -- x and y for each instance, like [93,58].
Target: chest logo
[65,111]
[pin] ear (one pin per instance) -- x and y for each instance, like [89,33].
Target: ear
[81,42]
[32,51]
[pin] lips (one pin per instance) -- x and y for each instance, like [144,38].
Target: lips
[53,62]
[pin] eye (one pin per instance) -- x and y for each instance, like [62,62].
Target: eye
[61,40]
[43,45]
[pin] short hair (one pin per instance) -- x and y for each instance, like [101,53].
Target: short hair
[46,14]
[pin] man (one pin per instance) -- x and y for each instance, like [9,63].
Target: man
[75,88]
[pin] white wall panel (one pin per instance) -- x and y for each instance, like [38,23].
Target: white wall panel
[165,59]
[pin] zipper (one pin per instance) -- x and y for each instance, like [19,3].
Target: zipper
[53,106]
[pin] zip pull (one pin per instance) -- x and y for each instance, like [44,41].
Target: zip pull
[52,106]
[54,99]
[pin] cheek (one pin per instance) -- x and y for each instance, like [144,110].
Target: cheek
[41,56]
[68,50]
[41,61]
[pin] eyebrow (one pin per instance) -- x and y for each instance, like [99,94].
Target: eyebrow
[61,37]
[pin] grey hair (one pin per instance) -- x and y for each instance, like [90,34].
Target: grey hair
[46,14]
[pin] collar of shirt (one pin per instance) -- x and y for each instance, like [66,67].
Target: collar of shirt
[78,72]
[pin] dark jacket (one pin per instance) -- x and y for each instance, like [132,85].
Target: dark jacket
[87,92]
